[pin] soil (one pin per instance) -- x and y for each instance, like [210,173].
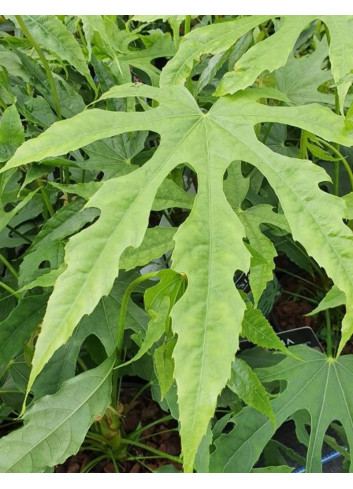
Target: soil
[289,311]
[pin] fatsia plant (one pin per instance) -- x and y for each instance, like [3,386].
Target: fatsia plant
[209,246]
[219,236]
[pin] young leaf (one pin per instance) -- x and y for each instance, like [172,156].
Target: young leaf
[159,300]
[5,217]
[70,101]
[11,129]
[318,384]
[262,261]
[46,280]
[116,44]
[164,365]
[155,329]
[11,133]
[245,383]
[258,330]
[55,426]
[334,298]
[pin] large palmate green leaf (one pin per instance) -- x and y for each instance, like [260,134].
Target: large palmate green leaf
[55,427]
[113,156]
[209,245]
[317,384]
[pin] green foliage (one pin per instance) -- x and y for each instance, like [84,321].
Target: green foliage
[55,426]
[187,149]
[317,384]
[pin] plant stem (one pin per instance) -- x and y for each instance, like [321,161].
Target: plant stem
[82,364]
[187,24]
[92,463]
[153,423]
[143,388]
[111,455]
[150,449]
[44,62]
[46,200]
[8,266]
[289,292]
[123,311]
[144,465]
[336,177]
[342,158]
[299,278]
[121,330]
[67,181]
[9,289]
[96,437]
[158,433]
[303,152]
[328,334]
[14,230]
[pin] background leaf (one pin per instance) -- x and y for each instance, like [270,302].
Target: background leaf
[318,384]
[55,427]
